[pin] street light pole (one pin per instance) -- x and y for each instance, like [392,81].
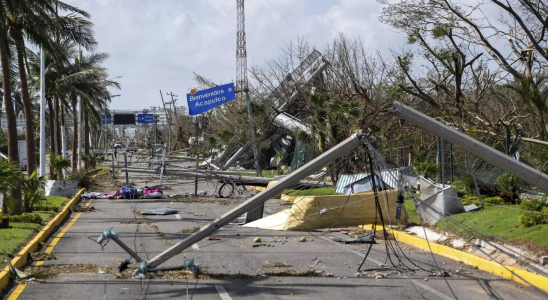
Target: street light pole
[42,112]
[79,132]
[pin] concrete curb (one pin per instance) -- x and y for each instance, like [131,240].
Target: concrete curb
[100,174]
[21,258]
[492,267]
[291,198]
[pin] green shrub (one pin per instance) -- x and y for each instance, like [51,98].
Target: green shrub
[493,200]
[58,163]
[83,178]
[90,161]
[534,205]
[426,169]
[469,200]
[32,188]
[511,183]
[458,187]
[46,207]
[27,218]
[529,219]
[468,182]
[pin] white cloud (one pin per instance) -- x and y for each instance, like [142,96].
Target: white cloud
[157,44]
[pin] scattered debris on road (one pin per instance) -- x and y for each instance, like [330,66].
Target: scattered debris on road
[136,221]
[190,230]
[276,265]
[39,256]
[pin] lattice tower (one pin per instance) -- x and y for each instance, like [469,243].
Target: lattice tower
[241,52]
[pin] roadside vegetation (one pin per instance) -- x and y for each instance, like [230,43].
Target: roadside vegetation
[63,35]
[24,227]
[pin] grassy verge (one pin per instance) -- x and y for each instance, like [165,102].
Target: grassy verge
[504,222]
[56,200]
[14,238]
[411,211]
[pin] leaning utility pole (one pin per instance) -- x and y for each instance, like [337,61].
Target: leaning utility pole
[174,102]
[168,117]
[241,79]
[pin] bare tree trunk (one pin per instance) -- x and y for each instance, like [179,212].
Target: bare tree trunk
[86,136]
[13,151]
[27,106]
[74,136]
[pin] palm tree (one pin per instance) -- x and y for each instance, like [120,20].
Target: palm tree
[9,177]
[81,75]
[33,190]
[5,63]
[37,21]
[88,80]
[58,163]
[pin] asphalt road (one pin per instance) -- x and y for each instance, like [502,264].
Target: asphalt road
[234,254]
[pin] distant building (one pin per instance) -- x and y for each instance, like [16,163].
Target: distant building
[20,119]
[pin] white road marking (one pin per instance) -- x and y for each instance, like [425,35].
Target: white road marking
[222,292]
[194,246]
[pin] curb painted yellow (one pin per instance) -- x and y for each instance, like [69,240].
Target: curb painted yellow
[291,198]
[21,258]
[21,287]
[99,174]
[260,188]
[492,267]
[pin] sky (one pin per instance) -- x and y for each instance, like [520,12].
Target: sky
[156,44]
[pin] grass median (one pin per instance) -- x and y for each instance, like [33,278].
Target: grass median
[14,238]
[502,221]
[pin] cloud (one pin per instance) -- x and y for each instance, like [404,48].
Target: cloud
[157,44]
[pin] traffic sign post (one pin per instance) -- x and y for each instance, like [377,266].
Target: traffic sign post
[202,101]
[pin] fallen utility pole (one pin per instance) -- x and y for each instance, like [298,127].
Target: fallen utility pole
[238,180]
[339,150]
[493,156]
[189,158]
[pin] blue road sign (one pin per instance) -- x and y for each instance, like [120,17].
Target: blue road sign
[202,101]
[104,120]
[145,118]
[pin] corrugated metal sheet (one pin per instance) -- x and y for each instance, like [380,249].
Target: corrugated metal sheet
[347,179]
